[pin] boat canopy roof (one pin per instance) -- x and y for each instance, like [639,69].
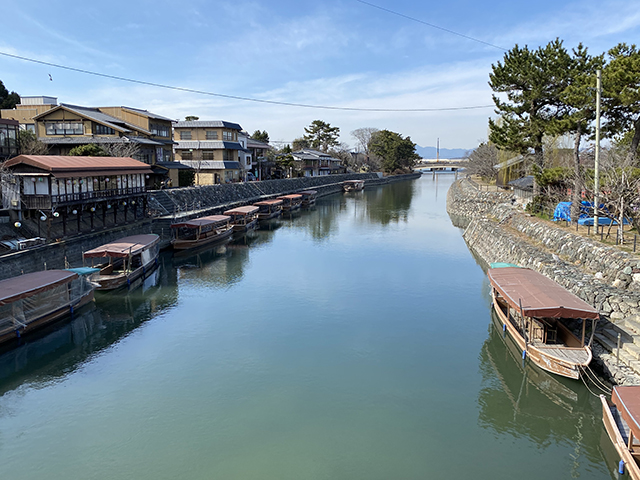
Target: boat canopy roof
[627,400]
[354,181]
[17,288]
[202,221]
[247,210]
[273,202]
[293,196]
[124,246]
[538,295]
[309,192]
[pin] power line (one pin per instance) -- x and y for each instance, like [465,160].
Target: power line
[234,97]
[431,25]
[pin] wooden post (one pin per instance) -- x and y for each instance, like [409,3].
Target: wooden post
[584,328]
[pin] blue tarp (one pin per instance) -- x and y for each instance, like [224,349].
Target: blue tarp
[563,211]
[601,221]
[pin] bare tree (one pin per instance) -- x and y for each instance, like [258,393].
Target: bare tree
[343,152]
[363,138]
[123,149]
[30,145]
[482,161]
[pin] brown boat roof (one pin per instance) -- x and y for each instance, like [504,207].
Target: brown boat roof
[292,196]
[269,202]
[627,400]
[202,221]
[17,288]
[246,210]
[539,296]
[123,246]
[70,166]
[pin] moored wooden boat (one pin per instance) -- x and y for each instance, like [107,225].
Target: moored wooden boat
[533,309]
[353,185]
[125,262]
[291,202]
[243,218]
[309,197]
[269,208]
[36,299]
[201,231]
[621,420]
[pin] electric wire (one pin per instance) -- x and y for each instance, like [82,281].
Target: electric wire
[236,97]
[431,25]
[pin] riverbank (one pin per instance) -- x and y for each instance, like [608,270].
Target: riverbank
[178,204]
[497,230]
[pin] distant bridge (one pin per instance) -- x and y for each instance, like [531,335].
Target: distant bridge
[443,165]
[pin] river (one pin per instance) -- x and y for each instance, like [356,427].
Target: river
[352,341]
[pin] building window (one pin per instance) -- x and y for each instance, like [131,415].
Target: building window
[187,155]
[185,135]
[227,156]
[160,130]
[64,128]
[102,130]
[212,135]
[228,136]
[207,155]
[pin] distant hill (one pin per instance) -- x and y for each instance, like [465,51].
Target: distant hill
[430,152]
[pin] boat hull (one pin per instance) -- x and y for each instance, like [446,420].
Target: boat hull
[247,226]
[270,215]
[130,280]
[49,318]
[631,465]
[538,356]
[179,244]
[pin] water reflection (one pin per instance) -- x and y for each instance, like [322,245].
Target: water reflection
[520,400]
[56,351]
[385,205]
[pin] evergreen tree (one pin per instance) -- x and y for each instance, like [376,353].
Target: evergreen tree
[621,95]
[90,150]
[260,136]
[533,82]
[8,100]
[321,135]
[397,153]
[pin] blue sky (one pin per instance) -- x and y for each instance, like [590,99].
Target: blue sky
[337,52]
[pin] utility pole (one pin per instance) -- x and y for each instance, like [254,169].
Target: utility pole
[438,150]
[596,183]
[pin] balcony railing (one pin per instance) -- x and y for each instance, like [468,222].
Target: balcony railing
[34,202]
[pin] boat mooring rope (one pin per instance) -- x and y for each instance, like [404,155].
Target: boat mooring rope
[593,378]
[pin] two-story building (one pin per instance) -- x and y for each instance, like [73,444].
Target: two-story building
[211,148]
[67,126]
[314,163]
[65,195]
[262,167]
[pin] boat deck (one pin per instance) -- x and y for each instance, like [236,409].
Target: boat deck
[573,355]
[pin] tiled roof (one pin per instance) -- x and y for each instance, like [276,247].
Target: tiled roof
[207,124]
[59,163]
[149,114]
[82,140]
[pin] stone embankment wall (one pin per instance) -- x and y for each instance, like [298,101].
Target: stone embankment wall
[499,231]
[58,254]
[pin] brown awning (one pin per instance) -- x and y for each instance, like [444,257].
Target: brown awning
[293,196]
[70,166]
[124,246]
[539,296]
[247,210]
[269,202]
[202,221]
[627,400]
[24,286]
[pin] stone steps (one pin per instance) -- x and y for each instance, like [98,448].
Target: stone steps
[629,358]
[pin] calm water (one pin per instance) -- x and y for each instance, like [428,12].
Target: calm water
[353,341]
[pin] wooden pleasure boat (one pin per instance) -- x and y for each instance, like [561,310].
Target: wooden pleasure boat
[269,209]
[127,261]
[353,185]
[201,231]
[36,299]
[291,202]
[534,310]
[621,419]
[243,218]
[309,198]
